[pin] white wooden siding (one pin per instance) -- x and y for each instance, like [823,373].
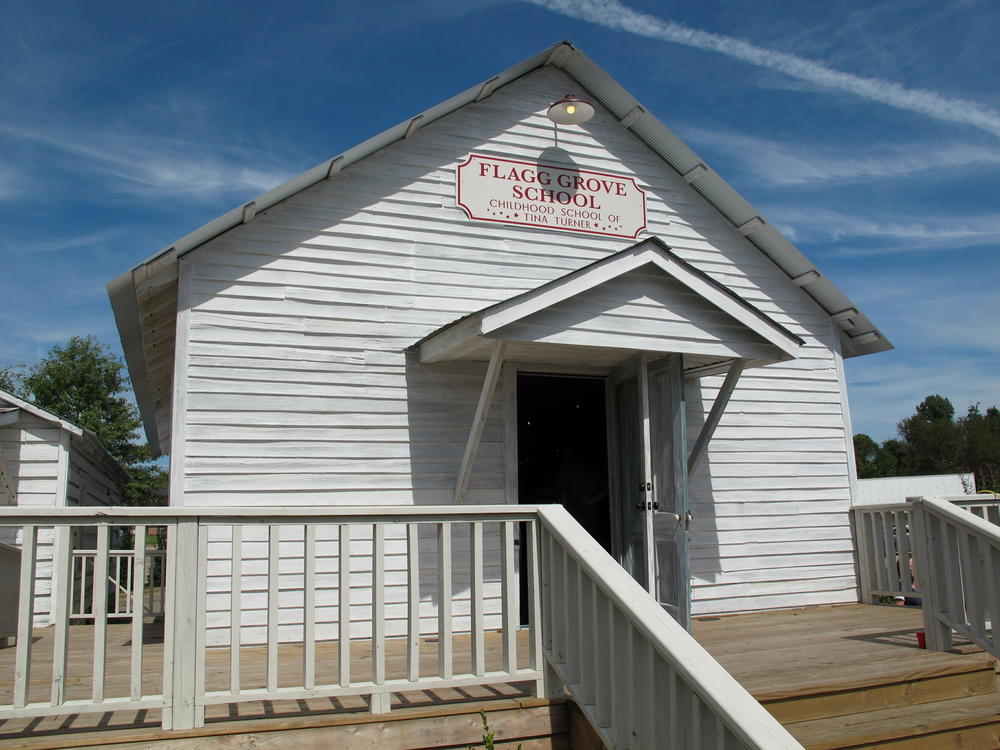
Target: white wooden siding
[50,467]
[91,481]
[645,310]
[299,391]
[31,450]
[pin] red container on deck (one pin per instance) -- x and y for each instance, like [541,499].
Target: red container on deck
[921,639]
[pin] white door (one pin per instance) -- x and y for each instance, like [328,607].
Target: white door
[650,478]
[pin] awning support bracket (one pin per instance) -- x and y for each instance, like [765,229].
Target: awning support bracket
[715,414]
[479,421]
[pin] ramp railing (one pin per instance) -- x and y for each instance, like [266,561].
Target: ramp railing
[958,557]
[640,678]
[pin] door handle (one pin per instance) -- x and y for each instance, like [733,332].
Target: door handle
[687,520]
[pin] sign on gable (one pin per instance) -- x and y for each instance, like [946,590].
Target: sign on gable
[549,196]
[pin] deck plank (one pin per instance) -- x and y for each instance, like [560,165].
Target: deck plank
[788,653]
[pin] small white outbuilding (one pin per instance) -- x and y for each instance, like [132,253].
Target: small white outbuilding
[46,461]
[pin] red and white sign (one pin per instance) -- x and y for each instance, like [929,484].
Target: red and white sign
[548,196]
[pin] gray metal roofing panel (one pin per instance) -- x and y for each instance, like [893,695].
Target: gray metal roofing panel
[663,141]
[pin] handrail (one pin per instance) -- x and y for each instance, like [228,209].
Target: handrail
[250,516]
[728,702]
[959,553]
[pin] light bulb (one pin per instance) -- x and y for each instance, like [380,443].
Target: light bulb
[570,111]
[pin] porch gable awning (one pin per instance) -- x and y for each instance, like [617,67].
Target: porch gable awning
[644,298]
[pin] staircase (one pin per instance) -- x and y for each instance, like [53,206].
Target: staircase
[853,676]
[960,710]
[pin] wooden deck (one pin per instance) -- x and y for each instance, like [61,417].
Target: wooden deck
[80,730]
[854,676]
[837,677]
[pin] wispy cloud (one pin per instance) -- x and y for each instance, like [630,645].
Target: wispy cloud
[784,164]
[899,235]
[147,164]
[73,242]
[611,14]
[882,393]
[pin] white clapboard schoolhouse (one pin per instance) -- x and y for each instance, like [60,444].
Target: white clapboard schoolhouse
[484,306]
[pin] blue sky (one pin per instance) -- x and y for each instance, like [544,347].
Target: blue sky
[869,132]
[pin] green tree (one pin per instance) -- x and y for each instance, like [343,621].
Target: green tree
[84,383]
[932,438]
[866,456]
[932,441]
[980,446]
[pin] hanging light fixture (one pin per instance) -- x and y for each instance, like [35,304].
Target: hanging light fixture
[570,110]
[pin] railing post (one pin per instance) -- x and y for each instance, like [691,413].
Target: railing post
[927,552]
[185,569]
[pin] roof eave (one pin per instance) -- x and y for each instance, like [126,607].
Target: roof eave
[121,292]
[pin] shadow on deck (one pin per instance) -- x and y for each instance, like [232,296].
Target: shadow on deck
[512,710]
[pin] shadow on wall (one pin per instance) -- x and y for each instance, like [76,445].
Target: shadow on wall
[441,403]
[704,549]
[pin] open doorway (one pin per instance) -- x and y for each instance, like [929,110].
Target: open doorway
[562,447]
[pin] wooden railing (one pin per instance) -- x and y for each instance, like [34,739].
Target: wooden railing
[124,588]
[883,534]
[884,541]
[641,679]
[958,556]
[986,505]
[292,583]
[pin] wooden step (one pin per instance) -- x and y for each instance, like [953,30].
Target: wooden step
[891,694]
[959,723]
[529,723]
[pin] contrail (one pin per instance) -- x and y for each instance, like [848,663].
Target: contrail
[611,14]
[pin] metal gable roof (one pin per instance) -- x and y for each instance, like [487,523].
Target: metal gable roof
[858,334]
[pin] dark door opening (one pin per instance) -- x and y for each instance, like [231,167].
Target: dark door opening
[562,448]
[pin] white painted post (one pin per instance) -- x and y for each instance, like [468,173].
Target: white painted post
[571,603]
[309,606]
[537,655]
[927,561]
[604,632]
[99,599]
[344,605]
[508,597]
[25,614]
[62,604]
[137,597]
[413,603]
[273,572]
[235,607]
[444,603]
[478,639]
[178,650]
[380,701]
